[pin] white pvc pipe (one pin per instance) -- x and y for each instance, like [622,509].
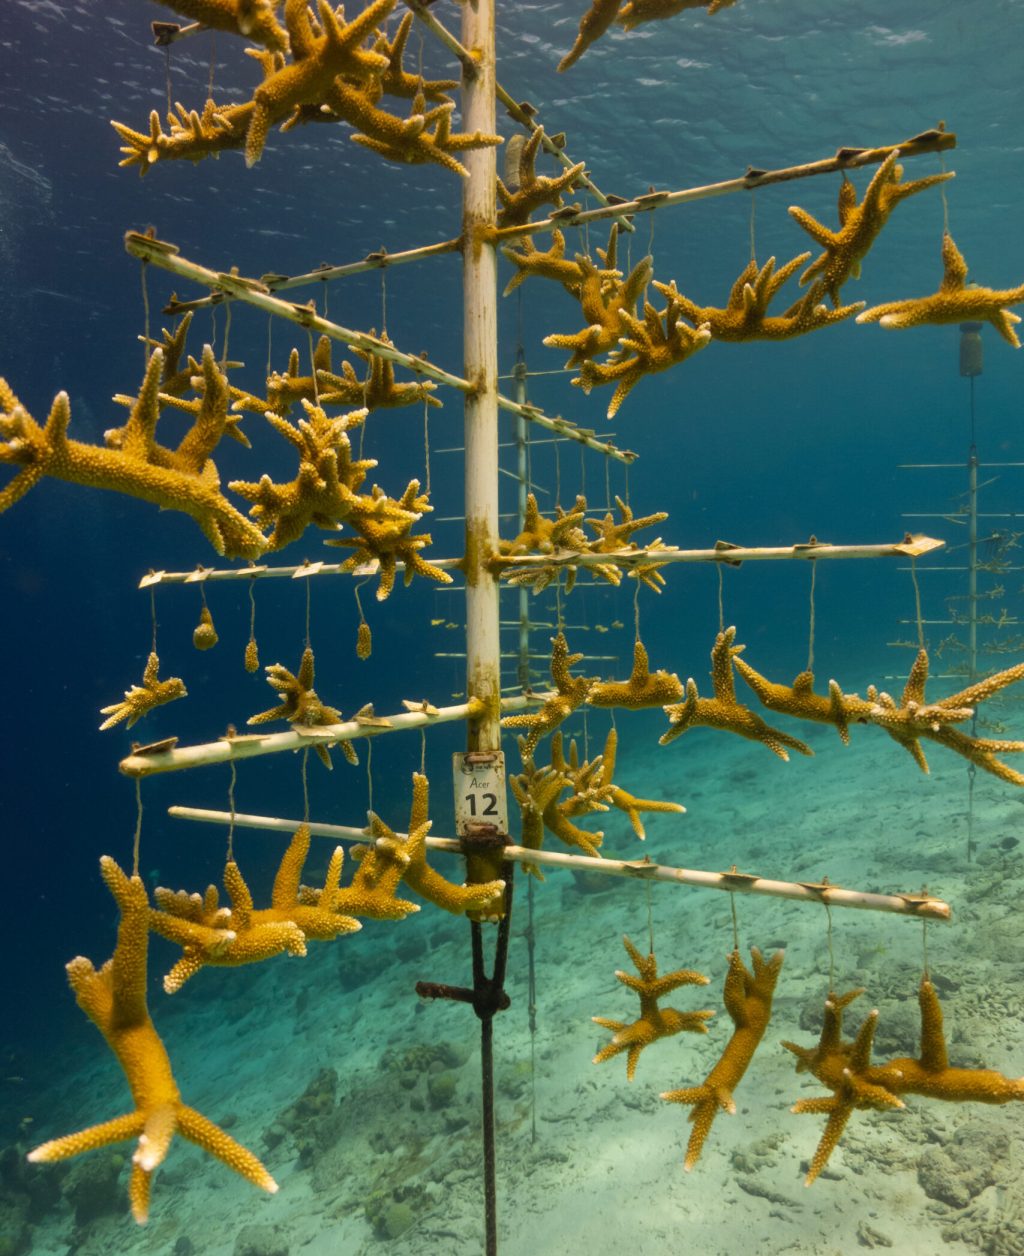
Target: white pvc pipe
[921,906]
[230,749]
[912,548]
[480,349]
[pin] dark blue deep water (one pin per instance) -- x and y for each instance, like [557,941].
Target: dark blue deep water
[756,444]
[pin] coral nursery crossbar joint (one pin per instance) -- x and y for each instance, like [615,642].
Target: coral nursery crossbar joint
[231,747]
[921,906]
[256,293]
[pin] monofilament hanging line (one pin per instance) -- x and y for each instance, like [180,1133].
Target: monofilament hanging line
[152,614]
[369,775]
[138,827]
[147,348]
[252,660]
[312,367]
[721,600]
[426,444]
[213,63]
[945,201]
[753,225]
[227,333]
[924,945]
[650,918]
[231,811]
[917,602]
[735,922]
[810,634]
[309,600]
[167,74]
[383,302]
[831,949]
[305,784]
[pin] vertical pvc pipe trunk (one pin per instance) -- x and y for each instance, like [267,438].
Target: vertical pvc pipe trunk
[480,339]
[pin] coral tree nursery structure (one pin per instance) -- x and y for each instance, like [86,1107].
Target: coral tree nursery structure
[319,64]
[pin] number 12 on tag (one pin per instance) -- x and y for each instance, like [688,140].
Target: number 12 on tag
[480,797]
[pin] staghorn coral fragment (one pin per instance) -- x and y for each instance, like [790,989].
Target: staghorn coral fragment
[204,635]
[642,689]
[134,469]
[635,12]
[618,797]
[408,140]
[535,790]
[548,264]
[541,535]
[571,691]
[587,795]
[748,1000]
[607,302]
[378,389]
[800,700]
[845,1068]
[245,934]
[324,490]
[383,525]
[593,24]
[253,19]
[409,853]
[859,223]
[723,711]
[612,536]
[364,640]
[531,190]
[210,418]
[955,302]
[319,57]
[300,705]
[745,317]
[654,1022]
[114,999]
[660,341]
[395,80]
[914,717]
[190,136]
[139,700]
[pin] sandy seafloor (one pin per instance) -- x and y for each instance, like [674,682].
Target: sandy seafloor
[604,1173]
